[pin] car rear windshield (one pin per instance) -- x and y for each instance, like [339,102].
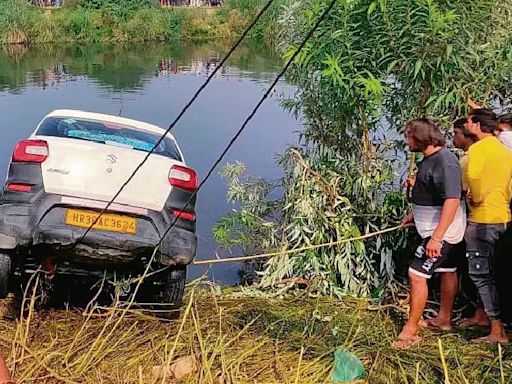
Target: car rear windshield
[108,133]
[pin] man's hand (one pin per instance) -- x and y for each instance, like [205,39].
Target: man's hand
[409,183]
[469,199]
[434,248]
[448,213]
[408,220]
[473,105]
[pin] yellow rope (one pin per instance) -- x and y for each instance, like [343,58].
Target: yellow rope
[306,248]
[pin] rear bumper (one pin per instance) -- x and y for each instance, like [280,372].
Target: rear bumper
[42,224]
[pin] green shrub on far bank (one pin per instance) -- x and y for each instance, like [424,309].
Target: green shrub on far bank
[85,25]
[126,20]
[123,9]
[16,19]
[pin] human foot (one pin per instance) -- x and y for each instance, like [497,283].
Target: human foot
[491,339]
[437,324]
[473,322]
[406,342]
[408,338]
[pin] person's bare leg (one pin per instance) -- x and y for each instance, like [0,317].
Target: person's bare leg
[419,295]
[449,288]
[5,376]
[479,319]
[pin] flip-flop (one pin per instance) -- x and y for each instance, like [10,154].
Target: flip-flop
[487,340]
[464,323]
[402,343]
[427,323]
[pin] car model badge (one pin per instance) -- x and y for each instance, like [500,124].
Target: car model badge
[55,170]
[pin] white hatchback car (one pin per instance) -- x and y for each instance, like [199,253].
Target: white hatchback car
[59,180]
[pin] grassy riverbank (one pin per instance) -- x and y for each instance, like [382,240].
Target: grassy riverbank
[122,21]
[237,338]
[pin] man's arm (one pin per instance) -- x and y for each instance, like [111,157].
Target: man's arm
[448,213]
[476,162]
[449,181]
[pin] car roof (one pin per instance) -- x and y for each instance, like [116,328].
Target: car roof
[108,118]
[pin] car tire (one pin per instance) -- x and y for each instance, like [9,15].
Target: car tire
[173,290]
[5,274]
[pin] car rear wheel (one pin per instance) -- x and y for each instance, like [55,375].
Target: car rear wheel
[172,291]
[5,274]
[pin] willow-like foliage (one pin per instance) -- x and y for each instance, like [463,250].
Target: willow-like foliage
[371,66]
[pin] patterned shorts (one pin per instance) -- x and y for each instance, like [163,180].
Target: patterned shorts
[425,266]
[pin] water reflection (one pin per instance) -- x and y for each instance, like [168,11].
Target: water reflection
[170,66]
[127,68]
[51,76]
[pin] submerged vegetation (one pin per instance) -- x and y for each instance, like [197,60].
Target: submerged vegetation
[236,336]
[127,20]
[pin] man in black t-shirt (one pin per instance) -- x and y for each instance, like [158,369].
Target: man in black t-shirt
[440,219]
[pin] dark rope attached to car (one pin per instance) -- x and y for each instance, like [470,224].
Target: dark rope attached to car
[219,159]
[178,118]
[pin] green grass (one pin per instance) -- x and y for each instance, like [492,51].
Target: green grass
[124,20]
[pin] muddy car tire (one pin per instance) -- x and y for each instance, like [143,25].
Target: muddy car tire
[172,291]
[175,287]
[5,274]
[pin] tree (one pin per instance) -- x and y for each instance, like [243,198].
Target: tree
[371,66]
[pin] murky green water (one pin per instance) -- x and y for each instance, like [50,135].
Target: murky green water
[152,83]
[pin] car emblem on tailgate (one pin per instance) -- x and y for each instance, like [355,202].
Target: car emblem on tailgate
[111,159]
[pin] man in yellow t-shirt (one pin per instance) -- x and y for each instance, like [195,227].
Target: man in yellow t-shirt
[462,139]
[489,175]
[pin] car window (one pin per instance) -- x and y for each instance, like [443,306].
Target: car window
[108,133]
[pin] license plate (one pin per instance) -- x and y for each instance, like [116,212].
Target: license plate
[107,222]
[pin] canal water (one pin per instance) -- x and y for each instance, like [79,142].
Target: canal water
[152,82]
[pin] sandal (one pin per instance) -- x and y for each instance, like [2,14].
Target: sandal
[470,323]
[489,340]
[406,343]
[427,323]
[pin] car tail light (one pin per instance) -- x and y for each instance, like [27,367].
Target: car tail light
[184,215]
[30,151]
[13,187]
[183,177]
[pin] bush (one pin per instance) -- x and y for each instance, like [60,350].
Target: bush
[146,24]
[121,20]
[84,25]
[123,9]
[174,20]
[50,27]
[199,25]
[16,21]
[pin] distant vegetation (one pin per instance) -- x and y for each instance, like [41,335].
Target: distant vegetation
[126,20]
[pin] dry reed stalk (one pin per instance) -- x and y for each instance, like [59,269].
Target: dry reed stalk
[443,361]
[237,340]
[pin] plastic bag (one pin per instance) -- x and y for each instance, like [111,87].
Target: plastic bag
[347,367]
